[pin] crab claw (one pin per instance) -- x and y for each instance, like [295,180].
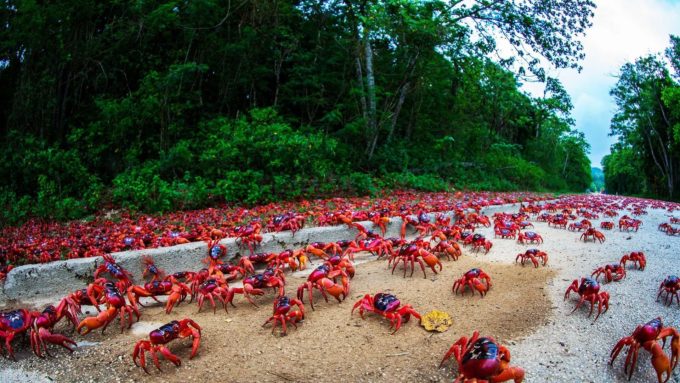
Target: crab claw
[660,362]
[93,323]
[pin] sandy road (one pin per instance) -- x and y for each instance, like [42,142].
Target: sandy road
[524,310]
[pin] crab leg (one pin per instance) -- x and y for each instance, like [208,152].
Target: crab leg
[631,357]
[627,341]
[580,302]
[421,266]
[397,318]
[283,324]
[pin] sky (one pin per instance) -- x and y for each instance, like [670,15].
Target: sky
[622,31]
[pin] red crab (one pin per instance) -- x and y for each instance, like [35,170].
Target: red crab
[13,323]
[637,257]
[473,279]
[249,235]
[289,257]
[529,237]
[323,279]
[444,220]
[648,336]
[671,286]
[533,255]
[482,360]
[588,290]
[422,224]
[215,252]
[558,222]
[110,266]
[319,249]
[364,233]
[70,305]
[211,288]
[578,226]
[447,233]
[606,225]
[467,237]
[379,220]
[505,222]
[283,314]
[337,262]
[149,268]
[484,243]
[163,335]
[448,249]
[415,252]
[376,246]
[388,306]
[37,325]
[192,279]
[628,224]
[254,283]
[115,305]
[595,234]
[545,217]
[665,227]
[41,332]
[176,292]
[478,241]
[287,221]
[247,263]
[504,233]
[230,271]
[612,272]
[524,224]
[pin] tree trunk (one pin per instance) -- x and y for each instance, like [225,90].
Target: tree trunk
[666,166]
[397,110]
[360,83]
[371,125]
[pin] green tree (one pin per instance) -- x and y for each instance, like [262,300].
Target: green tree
[129,100]
[645,122]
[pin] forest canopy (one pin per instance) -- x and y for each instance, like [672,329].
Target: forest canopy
[160,105]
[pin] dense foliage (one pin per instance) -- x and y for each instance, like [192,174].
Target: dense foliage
[645,160]
[157,105]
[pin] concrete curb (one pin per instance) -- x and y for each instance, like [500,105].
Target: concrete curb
[31,283]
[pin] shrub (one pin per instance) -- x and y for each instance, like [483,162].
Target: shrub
[142,188]
[245,186]
[359,184]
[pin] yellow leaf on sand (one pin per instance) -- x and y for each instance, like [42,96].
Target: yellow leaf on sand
[436,320]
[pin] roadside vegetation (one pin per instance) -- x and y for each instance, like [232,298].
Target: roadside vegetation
[646,159]
[160,105]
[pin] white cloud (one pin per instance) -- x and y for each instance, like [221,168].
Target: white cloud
[622,31]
